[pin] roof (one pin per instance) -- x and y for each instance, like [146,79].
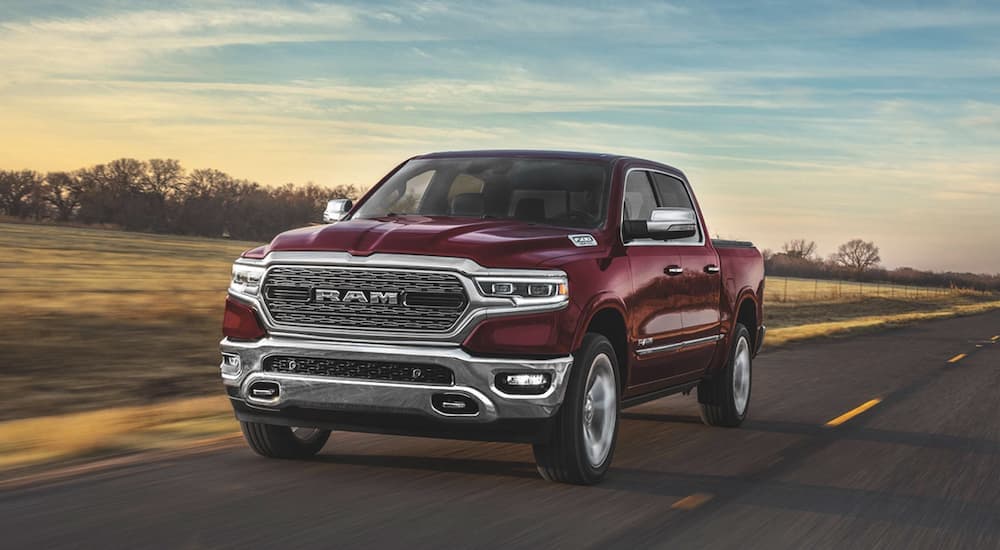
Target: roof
[543,154]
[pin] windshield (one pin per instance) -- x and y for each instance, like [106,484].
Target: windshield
[569,193]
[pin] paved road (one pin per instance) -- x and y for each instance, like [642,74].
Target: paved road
[919,469]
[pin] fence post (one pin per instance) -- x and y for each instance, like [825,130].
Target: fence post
[786,289]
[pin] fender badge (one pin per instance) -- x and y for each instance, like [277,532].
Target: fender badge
[583,240]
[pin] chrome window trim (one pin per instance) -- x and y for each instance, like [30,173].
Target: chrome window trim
[680,345]
[480,307]
[651,242]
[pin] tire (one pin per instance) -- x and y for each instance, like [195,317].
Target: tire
[725,397]
[586,427]
[282,441]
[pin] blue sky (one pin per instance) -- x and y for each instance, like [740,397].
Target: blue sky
[822,120]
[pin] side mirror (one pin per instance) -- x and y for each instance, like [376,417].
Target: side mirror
[336,210]
[664,224]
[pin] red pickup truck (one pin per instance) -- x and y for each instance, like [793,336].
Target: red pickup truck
[494,295]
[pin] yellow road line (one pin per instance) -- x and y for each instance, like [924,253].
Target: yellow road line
[853,412]
[691,502]
[957,358]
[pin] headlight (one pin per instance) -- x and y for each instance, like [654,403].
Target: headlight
[246,279]
[527,290]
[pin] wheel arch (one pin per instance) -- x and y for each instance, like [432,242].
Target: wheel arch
[748,314]
[607,317]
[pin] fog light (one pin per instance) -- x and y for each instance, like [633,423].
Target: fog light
[525,379]
[533,383]
[231,365]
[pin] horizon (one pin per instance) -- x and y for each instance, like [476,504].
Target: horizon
[791,121]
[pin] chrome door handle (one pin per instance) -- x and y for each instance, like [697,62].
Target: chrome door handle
[673,270]
[711,268]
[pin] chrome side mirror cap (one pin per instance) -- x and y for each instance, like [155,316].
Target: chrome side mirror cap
[664,224]
[336,210]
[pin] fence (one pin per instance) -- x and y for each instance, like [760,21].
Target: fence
[791,289]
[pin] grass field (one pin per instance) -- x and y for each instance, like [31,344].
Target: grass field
[790,289]
[793,302]
[97,318]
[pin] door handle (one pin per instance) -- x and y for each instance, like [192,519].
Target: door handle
[711,268]
[673,270]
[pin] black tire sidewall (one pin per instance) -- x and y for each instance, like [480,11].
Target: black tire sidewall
[276,441]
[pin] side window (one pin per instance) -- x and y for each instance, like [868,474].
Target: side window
[671,191]
[672,194]
[639,198]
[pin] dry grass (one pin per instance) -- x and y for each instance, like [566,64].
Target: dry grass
[52,439]
[785,335]
[800,309]
[96,318]
[795,290]
[109,337]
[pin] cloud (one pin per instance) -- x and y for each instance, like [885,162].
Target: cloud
[793,119]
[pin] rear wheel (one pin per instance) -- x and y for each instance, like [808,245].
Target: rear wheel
[583,441]
[725,398]
[284,441]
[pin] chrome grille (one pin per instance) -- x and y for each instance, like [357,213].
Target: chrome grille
[427,301]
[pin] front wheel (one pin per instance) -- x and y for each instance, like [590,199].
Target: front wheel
[283,441]
[583,441]
[725,398]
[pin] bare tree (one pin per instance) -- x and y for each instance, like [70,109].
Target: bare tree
[16,192]
[160,196]
[857,255]
[799,248]
[164,176]
[63,191]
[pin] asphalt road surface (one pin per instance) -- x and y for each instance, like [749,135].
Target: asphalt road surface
[919,468]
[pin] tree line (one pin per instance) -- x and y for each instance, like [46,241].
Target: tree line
[860,260]
[159,195]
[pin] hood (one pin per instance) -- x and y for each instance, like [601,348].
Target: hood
[490,243]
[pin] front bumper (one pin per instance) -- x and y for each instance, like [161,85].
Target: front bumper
[306,396]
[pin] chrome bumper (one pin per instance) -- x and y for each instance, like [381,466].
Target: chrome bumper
[474,378]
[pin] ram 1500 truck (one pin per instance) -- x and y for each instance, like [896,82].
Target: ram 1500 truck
[494,295]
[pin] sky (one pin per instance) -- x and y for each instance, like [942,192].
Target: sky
[819,120]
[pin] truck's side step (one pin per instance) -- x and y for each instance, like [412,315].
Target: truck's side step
[653,396]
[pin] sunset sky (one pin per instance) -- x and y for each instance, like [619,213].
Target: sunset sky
[825,121]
